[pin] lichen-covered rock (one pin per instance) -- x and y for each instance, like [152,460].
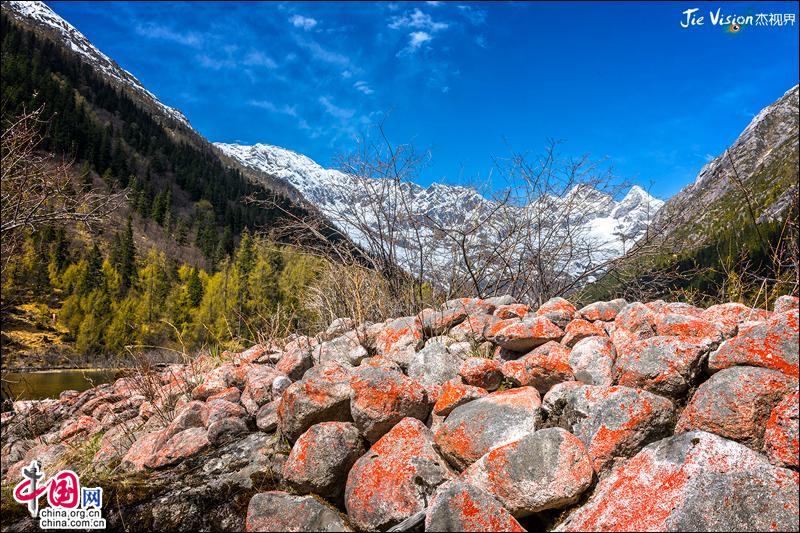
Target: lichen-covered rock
[399,340]
[180,446]
[141,451]
[230,394]
[542,368]
[473,306]
[735,403]
[592,361]
[346,349]
[396,478]
[338,326]
[381,397]
[281,511]
[504,312]
[83,426]
[558,310]
[267,416]
[523,335]
[615,422]
[472,329]
[579,329]
[548,469]
[322,457]
[605,311]
[781,434]
[455,393]
[692,482]
[668,366]
[225,428]
[433,365]
[218,409]
[438,321]
[729,315]
[481,372]
[772,344]
[116,442]
[323,395]
[294,363]
[637,319]
[258,380]
[48,455]
[459,506]
[786,303]
[474,428]
[686,326]
[556,398]
[217,380]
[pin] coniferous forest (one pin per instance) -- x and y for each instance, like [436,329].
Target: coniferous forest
[208,279]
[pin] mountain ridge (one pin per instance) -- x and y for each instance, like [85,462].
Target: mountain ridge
[41,14]
[334,191]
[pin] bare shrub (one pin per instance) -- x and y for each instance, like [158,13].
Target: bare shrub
[39,189]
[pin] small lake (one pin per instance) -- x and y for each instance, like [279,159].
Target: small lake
[41,384]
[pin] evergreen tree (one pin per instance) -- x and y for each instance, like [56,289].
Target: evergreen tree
[127,266]
[194,288]
[93,277]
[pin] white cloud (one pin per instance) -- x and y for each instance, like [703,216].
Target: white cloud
[335,111]
[259,59]
[417,20]
[322,54]
[480,40]
[157,31]
[271,107]
[417,39]
[346,74]
[215,63]
[475,16]
[363,87]
[299,21]
[434,3]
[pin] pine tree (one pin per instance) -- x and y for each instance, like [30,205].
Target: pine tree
[194,288]
[127,267]
[93,276]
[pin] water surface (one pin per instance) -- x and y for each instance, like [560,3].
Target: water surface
[40,384]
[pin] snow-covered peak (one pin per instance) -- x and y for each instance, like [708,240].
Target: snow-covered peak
[40,14]
[637,199]
[773,125]
[615,224]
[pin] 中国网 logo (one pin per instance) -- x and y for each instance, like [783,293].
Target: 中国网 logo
[71,506]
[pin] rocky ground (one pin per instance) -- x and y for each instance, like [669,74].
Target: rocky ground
[483,415]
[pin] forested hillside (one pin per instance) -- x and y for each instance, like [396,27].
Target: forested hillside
[733,233]
[175,262]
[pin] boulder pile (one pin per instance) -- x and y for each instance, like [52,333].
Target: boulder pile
[480,415]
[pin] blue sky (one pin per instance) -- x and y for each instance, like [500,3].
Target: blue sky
[470,82]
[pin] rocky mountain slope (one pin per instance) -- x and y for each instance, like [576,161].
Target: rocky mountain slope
[609,223]
[480,415]
[765,159]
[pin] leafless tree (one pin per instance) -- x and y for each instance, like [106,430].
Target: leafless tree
[38,188]
[532,240]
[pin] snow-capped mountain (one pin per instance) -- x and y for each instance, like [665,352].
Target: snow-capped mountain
[41,16]
[611,225]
